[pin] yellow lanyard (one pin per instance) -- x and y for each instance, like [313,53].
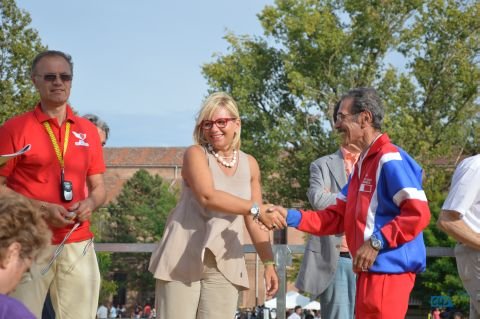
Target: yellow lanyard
[60,156]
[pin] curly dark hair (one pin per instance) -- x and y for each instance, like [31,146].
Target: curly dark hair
[21,223]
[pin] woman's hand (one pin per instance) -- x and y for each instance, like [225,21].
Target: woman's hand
[271,280]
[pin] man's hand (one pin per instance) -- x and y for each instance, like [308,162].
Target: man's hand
[83,209]
[365,257]
[56,215]
[273,217]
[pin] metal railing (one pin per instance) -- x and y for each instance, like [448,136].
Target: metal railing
[281,252]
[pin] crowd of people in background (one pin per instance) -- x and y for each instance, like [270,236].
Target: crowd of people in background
[108,310]
[443,313]
[260,312]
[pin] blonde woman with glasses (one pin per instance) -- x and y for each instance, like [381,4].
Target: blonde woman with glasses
[200,257]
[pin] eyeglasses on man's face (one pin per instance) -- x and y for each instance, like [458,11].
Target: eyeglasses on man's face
[51,77]
[220,123]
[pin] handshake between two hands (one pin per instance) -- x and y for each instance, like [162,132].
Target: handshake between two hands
[272,217]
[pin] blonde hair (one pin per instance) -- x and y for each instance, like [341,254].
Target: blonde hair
[211,104]
[21,223]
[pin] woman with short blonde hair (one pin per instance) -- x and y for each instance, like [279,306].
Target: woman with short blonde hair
[200,257]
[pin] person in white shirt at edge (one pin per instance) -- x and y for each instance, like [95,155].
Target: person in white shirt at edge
[460,218]
[112,311]
[102,312]
[297,313]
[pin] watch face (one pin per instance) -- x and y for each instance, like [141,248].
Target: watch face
[255,210]
[376,243]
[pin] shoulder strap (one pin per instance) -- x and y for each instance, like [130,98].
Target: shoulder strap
[206,153]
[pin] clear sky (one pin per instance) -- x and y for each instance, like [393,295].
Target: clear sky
[137,63]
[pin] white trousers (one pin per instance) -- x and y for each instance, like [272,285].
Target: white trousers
[213,297]
[73,281]
[468,265]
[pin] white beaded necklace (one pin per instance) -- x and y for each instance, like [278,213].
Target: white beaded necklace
[221,159]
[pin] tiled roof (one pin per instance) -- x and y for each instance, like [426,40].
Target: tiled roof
[123,162]
[143,156]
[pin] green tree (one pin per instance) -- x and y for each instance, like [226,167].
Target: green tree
[287,82]
[140,211]
[99,222]
[19,44]
[442,46]
[139,216]
[108,286]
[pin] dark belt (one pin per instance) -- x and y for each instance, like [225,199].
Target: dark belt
[345,254]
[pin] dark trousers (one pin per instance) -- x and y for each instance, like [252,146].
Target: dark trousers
[48,312]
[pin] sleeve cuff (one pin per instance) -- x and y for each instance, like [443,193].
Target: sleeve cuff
[293,217]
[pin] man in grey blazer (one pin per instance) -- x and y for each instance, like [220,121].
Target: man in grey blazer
[326,271]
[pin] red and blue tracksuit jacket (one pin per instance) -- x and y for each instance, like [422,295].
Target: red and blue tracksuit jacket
[383,196]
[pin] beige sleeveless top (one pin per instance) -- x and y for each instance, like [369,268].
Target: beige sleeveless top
[190,229]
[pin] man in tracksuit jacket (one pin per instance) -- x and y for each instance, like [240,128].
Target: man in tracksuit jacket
[382,210]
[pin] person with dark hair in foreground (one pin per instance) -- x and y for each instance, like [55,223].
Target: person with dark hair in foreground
[23,234]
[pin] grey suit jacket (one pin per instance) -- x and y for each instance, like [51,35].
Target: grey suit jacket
[327,177]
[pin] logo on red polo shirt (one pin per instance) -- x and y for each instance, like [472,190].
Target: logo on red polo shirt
[81,138]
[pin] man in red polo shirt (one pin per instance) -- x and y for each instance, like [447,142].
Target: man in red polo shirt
[66,154]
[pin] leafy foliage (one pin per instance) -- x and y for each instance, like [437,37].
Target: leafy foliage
[19,44]
[422,56]
[108,287]
[138,216]
[140,211]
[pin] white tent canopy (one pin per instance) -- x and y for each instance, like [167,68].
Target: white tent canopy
[312,305]
[293,299]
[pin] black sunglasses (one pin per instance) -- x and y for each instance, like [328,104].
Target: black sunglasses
[51,77]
